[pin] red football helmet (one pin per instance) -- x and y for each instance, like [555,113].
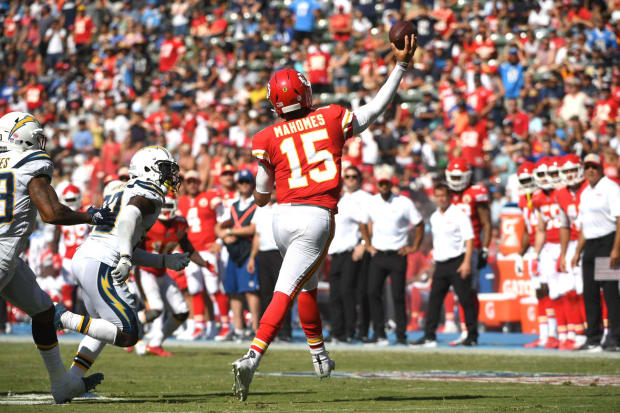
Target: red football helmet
[525,174]
[288,91]
[458,174]
[541,176]
[169,208]
[571,170]
[72,197]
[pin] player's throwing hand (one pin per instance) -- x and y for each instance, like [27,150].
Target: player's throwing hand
[405,55]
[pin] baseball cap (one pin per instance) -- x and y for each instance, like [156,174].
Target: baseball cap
[192,175]
[593,158]
[228,168]
[384,173]
[244,175]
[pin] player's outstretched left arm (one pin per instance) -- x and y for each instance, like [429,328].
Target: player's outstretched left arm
[194,256]
[264,184]
[53,212]
[367,114]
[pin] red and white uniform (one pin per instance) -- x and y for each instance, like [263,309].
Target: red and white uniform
[157,285]
[479,98]
[305,155]
[169,53]
[468,201]
[71,237]
[83,30]
[569,203]
[202,213]
[553,218]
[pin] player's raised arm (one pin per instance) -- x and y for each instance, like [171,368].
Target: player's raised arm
[53,212]
[368,113]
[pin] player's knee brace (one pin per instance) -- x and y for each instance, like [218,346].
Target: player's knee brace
[125,339]
[43,330]
[181,317]
[152,314]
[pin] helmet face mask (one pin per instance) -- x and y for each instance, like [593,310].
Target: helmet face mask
[168,210]
[72,197]
[571,170]
[525,175]
[168,174]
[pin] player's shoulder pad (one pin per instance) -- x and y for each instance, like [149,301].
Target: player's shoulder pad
[33,163]
[137,187]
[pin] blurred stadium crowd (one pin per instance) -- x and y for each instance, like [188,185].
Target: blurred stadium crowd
[495,82]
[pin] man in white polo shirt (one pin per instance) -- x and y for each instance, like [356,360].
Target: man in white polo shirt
[389,215]
[599,209]
[453,243]
[346,252]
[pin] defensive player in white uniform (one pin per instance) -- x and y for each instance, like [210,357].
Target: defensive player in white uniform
[101,265]
[26,171]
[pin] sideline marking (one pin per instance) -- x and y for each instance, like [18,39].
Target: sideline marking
[471,376]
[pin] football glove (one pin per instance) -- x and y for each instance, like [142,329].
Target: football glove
[176,262]
[121,272]
[101,216]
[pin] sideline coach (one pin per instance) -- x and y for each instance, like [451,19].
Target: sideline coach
[599,209]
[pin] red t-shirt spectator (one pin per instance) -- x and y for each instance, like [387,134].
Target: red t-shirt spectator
[317,63]
[34,96]
[445,20]
[111,155]
[10,27]
[169,52]
[479,98]
[83,30]
[484,48]
[605,111]
[472,140]
[340,24]
[520,122]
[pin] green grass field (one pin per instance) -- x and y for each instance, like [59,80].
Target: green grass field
[200,380]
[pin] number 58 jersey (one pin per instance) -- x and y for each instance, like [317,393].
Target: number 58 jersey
[305,155]
[102,242]
[17,211]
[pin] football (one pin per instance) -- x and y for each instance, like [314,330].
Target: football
[398,32]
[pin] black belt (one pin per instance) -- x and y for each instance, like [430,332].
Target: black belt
[450,260]
[342,253]
[601,238]
[388,252]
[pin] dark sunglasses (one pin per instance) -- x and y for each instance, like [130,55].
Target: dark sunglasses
[244,182]
[590,166]
[351,177]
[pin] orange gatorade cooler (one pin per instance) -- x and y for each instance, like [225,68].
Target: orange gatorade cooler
[529,315]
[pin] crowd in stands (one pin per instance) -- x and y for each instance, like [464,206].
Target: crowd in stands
[495,82]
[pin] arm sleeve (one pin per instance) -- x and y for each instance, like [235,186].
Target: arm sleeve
[141,257]
[127,222]
[368,113]
[264,179]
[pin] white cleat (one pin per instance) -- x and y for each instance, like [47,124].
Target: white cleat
[459,340]
[323,365]
[140,348]
[73,386]
[243,370]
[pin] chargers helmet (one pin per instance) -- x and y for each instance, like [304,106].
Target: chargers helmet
[156,164]
[288,91]
[458,174]
[571,170]
[20,131]
[525,175]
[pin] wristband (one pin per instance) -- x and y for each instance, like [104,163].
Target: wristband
[403,65]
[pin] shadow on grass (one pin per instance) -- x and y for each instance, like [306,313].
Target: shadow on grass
[177,398]
[408,398]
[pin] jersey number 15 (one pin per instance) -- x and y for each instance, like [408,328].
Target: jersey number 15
[308,140]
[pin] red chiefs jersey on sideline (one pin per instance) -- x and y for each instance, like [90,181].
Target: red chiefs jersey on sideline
[162,239]
[72,236]
[201,215]
[228,197]
[468,201]
[549,208]
[569,202]
[306,154]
